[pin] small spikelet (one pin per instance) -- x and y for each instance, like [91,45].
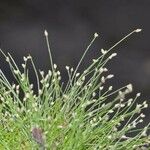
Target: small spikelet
[96,35]
[138,30]
[45,33]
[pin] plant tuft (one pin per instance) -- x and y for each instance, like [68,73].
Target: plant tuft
[83,114]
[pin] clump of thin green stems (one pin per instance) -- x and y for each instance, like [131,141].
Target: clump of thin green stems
[84,114]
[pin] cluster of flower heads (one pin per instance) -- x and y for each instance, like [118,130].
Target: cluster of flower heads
[82,114]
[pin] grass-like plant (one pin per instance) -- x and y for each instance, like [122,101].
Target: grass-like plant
[82,114]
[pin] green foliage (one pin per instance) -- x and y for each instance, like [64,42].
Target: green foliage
[84,114]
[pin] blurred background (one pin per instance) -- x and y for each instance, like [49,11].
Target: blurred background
[71,25]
